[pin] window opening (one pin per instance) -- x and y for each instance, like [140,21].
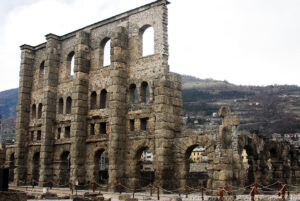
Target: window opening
[60,106]
[33,111]
[103,96]
[131,122]
[58,133]
[133,94]
[39,135]
[40,108]
[103,128]
[145,94]
[106,54]
[67,131]
[144,124]
[93,100]
[68,105]
[148,41]
[92,129]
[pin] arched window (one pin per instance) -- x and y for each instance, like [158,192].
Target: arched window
[40,108]
[145,94]
[71,64]
[61,106]
[147,34]
[133,94]
[93,100]
[42,68]
[105,46]
[68,105]
[33,111]
[103,96]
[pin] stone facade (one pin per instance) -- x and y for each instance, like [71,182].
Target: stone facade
[65,121]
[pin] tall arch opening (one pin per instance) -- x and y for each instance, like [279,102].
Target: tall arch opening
[103,99]
[65,167]
[248,162]
[145,93]
[36,167]
[147,35]
[69,105]
[93,100]
[42,70]
[196,164]
[60,106]
[71,64]
[40,109]
[144,167]
[33,111]
[106,46]
[101,167]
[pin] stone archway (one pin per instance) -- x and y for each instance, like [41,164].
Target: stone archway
[249,163]
[141,171]
[144,167]
[65,167]
[101,162]
[196,165]
[36,167]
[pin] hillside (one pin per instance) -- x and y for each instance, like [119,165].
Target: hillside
[8,102]
[269,109]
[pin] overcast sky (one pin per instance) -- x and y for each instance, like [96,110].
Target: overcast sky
[248,42]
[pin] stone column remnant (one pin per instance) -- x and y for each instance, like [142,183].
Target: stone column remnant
[49,108]
[117,106]
[79,107]
[23,111]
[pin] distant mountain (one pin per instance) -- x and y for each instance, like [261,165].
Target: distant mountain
[269,109]
[8,102]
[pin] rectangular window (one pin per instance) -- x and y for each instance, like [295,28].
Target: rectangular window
[67,131]
[92,131]
[58,133]
[144,124]
[39,135]
[32,135]
[131,122]
[103,128]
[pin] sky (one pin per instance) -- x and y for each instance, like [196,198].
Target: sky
[246,42]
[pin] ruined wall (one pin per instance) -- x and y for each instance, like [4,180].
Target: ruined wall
[70,117]
[67,138]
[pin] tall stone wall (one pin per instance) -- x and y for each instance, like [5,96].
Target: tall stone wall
[47,86]
[68,120]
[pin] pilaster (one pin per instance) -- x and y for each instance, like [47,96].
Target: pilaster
[23,111]
[79,107]
[49,109]
[117,107]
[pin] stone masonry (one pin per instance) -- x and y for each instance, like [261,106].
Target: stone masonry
[72,116]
